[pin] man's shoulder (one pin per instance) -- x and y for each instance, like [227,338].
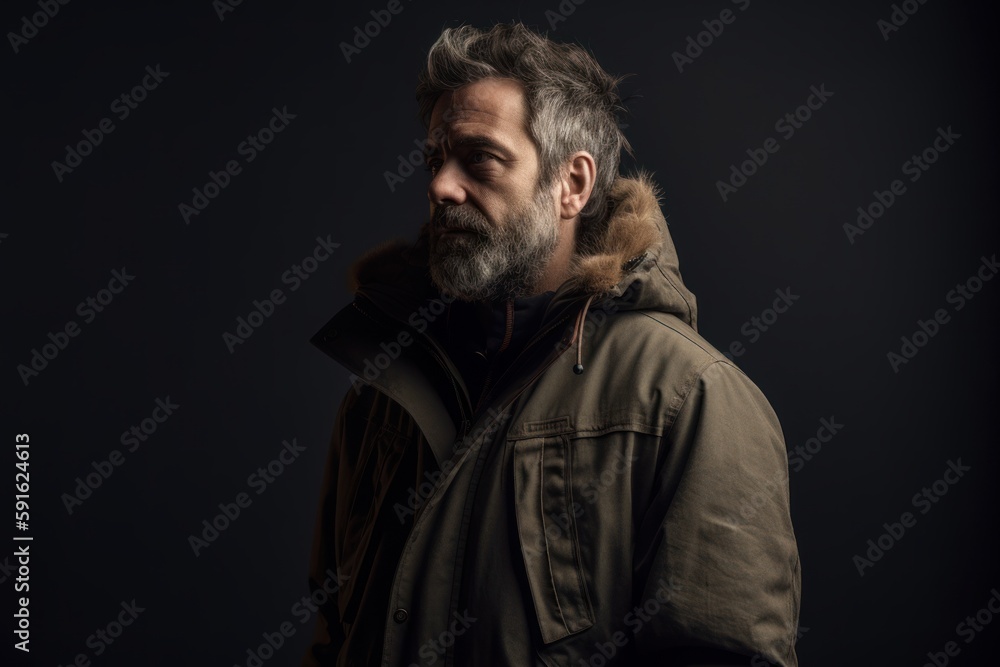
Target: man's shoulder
[653,335]
[648,352]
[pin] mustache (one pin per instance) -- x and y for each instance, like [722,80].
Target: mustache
[464,218]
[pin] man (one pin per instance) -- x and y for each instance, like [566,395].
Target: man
[540,462]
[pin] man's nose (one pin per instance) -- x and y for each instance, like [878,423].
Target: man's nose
[446,187]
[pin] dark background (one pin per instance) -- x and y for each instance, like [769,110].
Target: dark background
[324,176]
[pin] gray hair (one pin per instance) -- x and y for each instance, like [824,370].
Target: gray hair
[573,104]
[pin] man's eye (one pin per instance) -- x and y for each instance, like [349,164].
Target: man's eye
[479,157]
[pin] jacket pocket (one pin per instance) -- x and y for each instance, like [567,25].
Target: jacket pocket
[546,523]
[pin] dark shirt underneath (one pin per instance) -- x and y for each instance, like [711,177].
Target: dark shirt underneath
[484,338]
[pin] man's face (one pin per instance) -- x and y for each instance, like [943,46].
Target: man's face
[485,184]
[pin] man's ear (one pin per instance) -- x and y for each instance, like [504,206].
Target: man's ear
[576,183]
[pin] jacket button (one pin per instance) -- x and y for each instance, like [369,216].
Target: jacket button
[400,616]
[330,334]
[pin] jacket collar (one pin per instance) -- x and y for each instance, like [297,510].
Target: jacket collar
[631,265]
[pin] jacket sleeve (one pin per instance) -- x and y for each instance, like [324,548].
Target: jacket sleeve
[328,636]
[716,549]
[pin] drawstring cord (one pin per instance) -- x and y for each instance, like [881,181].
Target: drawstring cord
[509,330]
[581,317]
[577,336]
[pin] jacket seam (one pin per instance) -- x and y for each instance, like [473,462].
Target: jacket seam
[713,355]
[688,390]
[645,429]
[675,288]
[575,433]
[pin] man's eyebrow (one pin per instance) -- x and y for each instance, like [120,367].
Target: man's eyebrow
[469,141]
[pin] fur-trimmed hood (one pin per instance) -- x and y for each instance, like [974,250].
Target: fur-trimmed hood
[635,255]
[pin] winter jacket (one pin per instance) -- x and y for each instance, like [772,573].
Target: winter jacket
[619,494]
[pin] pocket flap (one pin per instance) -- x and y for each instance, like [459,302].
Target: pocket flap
[546,527]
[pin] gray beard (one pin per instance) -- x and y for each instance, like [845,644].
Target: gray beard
[496,262]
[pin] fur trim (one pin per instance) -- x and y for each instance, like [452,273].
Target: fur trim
[376,263]
[632,231]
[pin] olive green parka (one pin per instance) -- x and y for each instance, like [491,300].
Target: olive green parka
[620,496]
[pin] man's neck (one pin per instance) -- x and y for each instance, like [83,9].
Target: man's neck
[558,268]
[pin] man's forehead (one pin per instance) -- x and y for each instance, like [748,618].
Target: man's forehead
[490,103]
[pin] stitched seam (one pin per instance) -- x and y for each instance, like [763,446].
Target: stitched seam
[688,390]
[676,289]
[541,508]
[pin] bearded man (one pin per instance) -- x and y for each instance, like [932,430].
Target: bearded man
[540,461]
